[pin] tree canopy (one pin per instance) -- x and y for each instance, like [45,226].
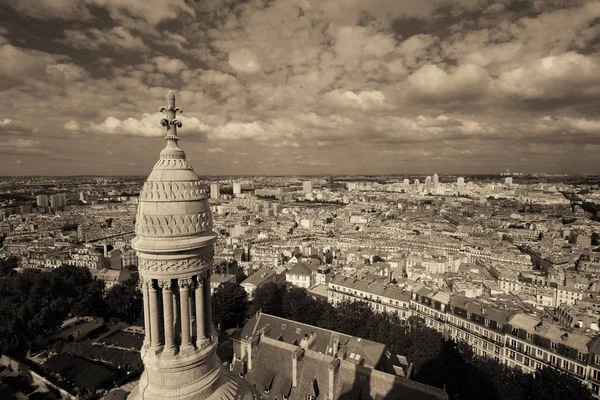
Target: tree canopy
[229,305]
[125,301]
[34,303]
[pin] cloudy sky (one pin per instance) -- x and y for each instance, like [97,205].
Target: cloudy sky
[301,86]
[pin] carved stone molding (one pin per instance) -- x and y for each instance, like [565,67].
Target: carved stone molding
[170,191]
[169,225]
[188,264]
[168,163]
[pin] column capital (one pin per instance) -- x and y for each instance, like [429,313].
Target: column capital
[165,285]
[150,284]
[202,276]
[184,283]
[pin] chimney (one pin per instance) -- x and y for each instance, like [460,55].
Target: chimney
[296,356]
[332,369]
[336,345]
[265,330]
[249,352]
[251,341]
[308,340]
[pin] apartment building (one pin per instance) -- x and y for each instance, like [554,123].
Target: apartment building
[381,298]
[511,337]
[300,275]
[479,325]
[431,305]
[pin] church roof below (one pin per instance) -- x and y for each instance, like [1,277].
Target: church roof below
[355,378]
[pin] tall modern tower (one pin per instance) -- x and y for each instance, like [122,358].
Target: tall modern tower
[215,191]
[174,242]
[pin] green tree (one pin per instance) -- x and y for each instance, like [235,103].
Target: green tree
[229,305]
[268,299]
[34,303]
[549,383]
[299,306]
[92,302]
[125,300]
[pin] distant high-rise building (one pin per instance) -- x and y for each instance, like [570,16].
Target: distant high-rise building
[417,183]
[460,181]
[331,179]
[307,187]
[508,181]
[81,236]
[428,182]
[215,191]
[406,182]
[58,201]
[42,200]
[436,180]
[237,188]
[276,208]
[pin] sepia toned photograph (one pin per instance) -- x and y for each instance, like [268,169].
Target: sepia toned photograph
[299,199]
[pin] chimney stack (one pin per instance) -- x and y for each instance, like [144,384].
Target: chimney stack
[308,340]
[336,345]
[332,369]
[296,356]
[253,341]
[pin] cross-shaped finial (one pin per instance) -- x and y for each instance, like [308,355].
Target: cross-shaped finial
[171,121]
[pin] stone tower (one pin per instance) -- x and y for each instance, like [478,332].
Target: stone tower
[174,242]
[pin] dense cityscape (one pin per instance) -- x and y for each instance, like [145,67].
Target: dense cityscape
[507,264]
[363,200]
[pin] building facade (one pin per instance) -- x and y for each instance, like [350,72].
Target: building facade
[511,337]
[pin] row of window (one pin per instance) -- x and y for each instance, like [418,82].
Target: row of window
[368,296]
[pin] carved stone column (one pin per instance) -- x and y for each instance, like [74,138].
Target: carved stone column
[176,319]
[167,296]
[191,310]
[200,317]
[147,336]
[184,301]
[208,325]
[154,320]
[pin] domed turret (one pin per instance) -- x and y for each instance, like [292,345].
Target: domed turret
[174,242]
[173,212]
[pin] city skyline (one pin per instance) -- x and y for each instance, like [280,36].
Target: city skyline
[301,88]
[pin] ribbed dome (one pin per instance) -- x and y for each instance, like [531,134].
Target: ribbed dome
[173,211]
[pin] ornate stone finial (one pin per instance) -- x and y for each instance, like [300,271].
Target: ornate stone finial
[171,121]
